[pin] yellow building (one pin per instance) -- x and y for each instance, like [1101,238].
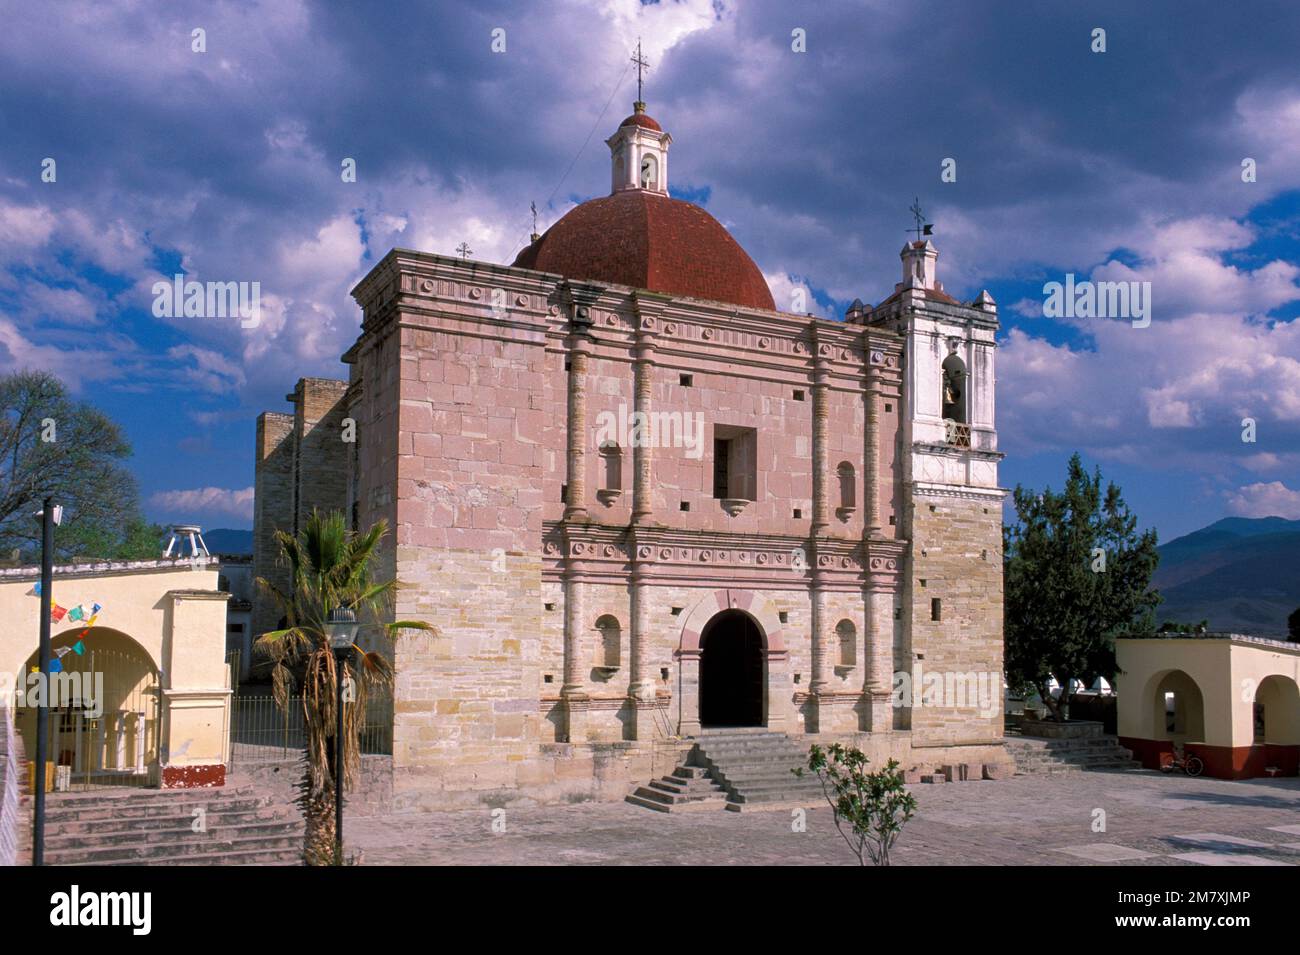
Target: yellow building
[1231,700]
[142,691]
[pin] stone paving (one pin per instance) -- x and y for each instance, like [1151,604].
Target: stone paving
[1150,819]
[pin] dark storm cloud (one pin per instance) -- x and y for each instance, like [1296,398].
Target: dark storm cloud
[228,162]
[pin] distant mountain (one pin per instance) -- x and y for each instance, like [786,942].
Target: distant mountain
[1242,574]
[224,540]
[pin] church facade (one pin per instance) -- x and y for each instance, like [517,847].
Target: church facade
[637,501]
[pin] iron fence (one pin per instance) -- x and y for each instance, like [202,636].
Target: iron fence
[104,721]
[262,732]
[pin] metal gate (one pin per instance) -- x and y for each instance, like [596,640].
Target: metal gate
[105,721]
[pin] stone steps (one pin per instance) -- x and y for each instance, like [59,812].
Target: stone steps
[1040,756]
[155,827]
[744,769]
[688,789]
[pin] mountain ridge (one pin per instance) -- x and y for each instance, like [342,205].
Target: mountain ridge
[1239,573]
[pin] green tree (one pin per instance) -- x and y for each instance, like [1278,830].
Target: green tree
[1077,574]
[870,808]
[329,568]
[51,444]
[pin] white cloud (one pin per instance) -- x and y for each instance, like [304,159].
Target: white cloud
[1272,499]
[1180,386]
[24,227]
[784,288]
[237,502]
[207,369]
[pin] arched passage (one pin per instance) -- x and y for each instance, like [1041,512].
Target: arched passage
[732,671]
[1178,708]
[104,708]
[1277,711]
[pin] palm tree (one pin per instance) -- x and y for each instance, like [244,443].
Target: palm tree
[329,568]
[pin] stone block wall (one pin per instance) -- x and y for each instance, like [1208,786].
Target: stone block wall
[371,796]
[957,559]
[301,463]
[321,457]
[468,537]
[273,510]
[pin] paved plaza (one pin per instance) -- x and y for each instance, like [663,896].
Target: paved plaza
[1149,819]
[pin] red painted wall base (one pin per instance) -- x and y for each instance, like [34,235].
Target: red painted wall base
[1221,762]
[193,777]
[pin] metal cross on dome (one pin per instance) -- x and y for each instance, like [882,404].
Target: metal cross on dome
[464,251]
[641,64]
[923,228]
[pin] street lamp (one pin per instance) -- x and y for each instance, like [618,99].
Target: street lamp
[342,626]
[49,515]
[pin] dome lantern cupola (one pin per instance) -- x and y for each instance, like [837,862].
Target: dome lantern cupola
[639,154]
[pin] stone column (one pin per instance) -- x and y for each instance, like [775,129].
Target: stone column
[820,690]
[688,692]
[101,743]
[641,688]
[880,660]
[820,445]
[879,604]
[574,690]
[119,742]
[575,500]
[642,453]
[871,453]
[77,744]
[139,742]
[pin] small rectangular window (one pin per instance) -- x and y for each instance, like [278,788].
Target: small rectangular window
[685,505]
[686,381]
[798,394]
[735,463]
[936,608]
[721,468]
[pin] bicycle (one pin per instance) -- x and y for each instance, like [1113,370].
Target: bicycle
[1191,765]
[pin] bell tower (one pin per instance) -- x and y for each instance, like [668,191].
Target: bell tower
[953,506]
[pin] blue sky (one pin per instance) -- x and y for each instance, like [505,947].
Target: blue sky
[225,163]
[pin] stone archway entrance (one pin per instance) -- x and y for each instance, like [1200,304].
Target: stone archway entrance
[105,712]
[732,679]
[775,680]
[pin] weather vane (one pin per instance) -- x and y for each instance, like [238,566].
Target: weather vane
[923,228]
[641,64]
[464,251]
[533,206]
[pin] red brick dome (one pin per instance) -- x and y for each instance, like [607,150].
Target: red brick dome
[641,119]
[650,241]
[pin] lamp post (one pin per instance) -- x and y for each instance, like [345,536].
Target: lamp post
[49,515]
[342,626]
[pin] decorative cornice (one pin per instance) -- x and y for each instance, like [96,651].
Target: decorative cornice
[604,549]
[992,494]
